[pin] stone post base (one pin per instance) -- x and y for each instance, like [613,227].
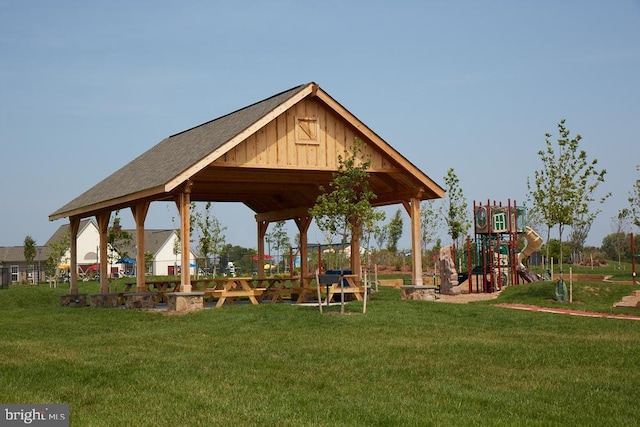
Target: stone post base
[73,300]
[105,300]
[140,300]
[184,302]
[418,293]
[451,288]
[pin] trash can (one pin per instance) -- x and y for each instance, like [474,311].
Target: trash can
[4,281]
[345,283]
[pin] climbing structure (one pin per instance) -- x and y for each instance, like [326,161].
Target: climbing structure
[497,259]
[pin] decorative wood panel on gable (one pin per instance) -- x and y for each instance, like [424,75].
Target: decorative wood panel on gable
[307,136]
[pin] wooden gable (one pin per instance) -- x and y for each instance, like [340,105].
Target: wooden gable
[307,136]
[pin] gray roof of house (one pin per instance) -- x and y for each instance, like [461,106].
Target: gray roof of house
[153,241]
[16,254]
[64,229]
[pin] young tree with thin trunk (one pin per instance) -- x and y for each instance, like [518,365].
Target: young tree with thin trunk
[456,213]
[280,241]
[564,189]
[117,239]
[30,251]
[430,223]
[394,232]
[634,201]
[217,239]
[620,225]
[344,207]
[212,239]
[57,250]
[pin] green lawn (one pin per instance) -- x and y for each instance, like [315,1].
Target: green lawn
[403,363]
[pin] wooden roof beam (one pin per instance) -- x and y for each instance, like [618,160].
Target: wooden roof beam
[282,215]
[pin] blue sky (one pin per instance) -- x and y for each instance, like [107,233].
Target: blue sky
[85,87]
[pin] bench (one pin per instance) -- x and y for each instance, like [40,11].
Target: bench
[223,294]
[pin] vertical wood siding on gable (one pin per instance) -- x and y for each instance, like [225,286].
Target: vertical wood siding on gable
[275,145]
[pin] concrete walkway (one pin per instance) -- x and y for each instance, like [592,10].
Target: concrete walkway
[568,311]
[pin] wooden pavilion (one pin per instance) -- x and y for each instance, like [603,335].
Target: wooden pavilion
[272,156]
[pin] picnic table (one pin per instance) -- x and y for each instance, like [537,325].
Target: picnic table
[277,288]
[163,287]
[351,287]
[231,288]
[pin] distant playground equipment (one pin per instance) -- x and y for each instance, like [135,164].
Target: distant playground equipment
[493,258]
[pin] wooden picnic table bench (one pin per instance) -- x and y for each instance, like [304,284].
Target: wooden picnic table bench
[231,288]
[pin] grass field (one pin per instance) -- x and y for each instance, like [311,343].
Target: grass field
[403,363]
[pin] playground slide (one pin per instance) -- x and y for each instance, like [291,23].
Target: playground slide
[534,242]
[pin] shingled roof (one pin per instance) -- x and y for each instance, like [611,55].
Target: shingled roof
[154,240]
[198,154]
[154,168]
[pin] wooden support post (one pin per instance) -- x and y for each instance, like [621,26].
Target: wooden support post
[416,242]
[103,229]
[263,225]
[74,226]
[303,223]
[139,212]
[183,201]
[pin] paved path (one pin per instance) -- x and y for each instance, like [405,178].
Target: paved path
[568,311]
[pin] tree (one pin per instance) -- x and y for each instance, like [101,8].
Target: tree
[279,239]
[30,251]
[344,208]
[430,223]
[177,249]
[578,236]
[240,256]
[380,235]
[217,239]
[456,215]
[148,262]
[57,250]
[620,242]
[211,231]
[369,230]
[564,188]
[177,242]
[616,246]
[117,239]
[555,249]
[394,232]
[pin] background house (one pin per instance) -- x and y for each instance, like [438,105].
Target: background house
[88,242]
[14,268]
[160,245]
[162,259]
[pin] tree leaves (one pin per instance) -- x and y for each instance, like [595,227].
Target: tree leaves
[564,189]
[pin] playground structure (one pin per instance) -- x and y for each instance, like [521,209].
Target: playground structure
[493,258]
[497,229]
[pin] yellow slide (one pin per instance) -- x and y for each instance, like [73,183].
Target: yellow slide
[534,242]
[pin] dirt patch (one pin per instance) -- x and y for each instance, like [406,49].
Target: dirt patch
[466,298]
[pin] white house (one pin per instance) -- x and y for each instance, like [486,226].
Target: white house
[88,241]
[160,243]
